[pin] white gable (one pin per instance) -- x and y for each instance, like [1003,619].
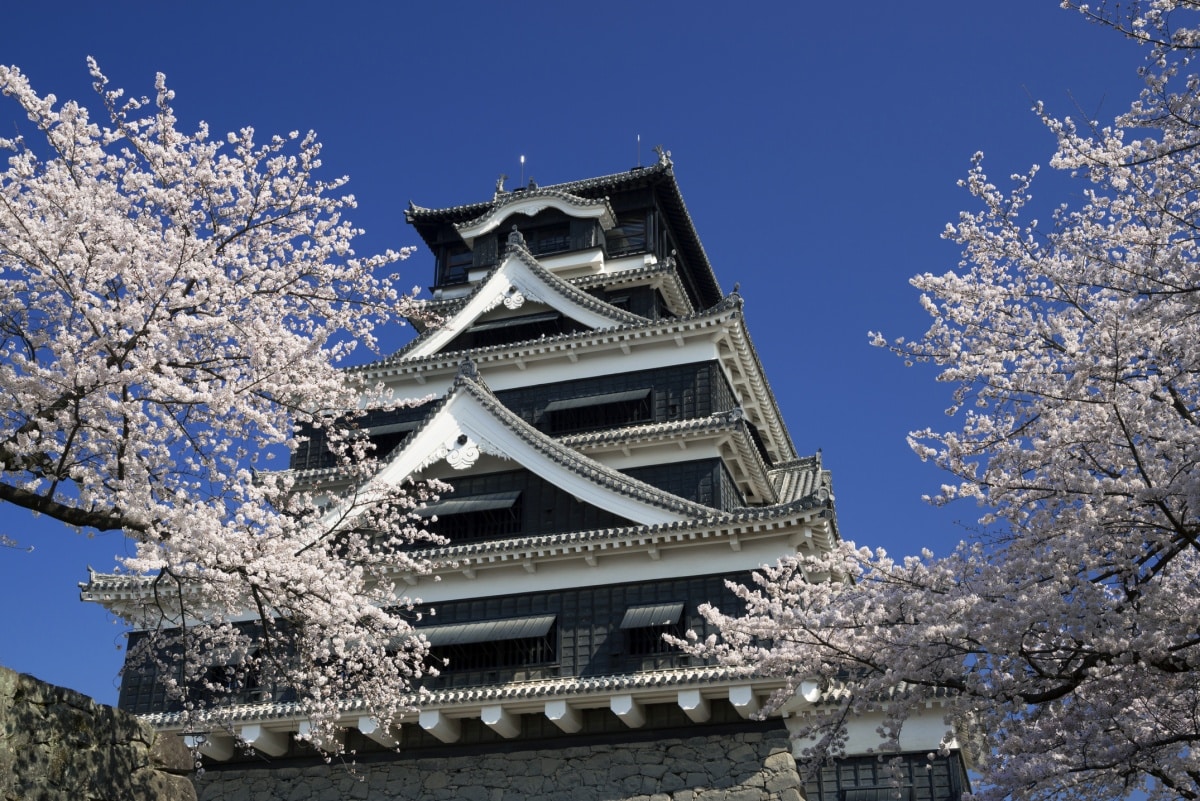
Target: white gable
[530,203]
[514,282]
[470,422]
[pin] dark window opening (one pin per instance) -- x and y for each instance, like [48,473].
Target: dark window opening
[476,517]
[454,264]
[593,412]
[509,330]
[877,794]
[522,647]
[387,438]
[548,239]
[232,684]
[661,310]
[628,236]
[644,627]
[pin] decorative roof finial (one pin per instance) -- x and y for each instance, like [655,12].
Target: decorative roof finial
[664,156]
[515,238]
[500,190]
[467,369]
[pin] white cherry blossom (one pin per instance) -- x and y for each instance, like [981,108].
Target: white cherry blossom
[1065,640]
[172,307]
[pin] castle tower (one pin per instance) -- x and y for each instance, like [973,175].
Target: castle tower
[617,456]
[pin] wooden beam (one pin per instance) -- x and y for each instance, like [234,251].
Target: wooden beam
[269,742]
[694,705]
[744,700]
[631,713]
[369,726]
[329,742]
[501,721]
[213,745]
[564,716]
[448,730]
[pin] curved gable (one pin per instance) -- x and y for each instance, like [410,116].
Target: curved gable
[516,279]
[470,421]
[532,201]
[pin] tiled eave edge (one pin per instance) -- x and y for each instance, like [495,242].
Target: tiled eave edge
[393,366]
[672,287]
[629,436]
[806,527]
[659,177]
[685,431]
[726,315]
[753,369]
[505,277]
[806,522]
[532,201]
[268,727]
[464,212]
[662,273]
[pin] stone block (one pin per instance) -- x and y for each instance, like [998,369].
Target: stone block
[780,761]
[618,772]
[473,793]
[523,785]
[741,753]
[156,786]
[782,781]
[436,781]
[671,782]
[745,794]
[170,754]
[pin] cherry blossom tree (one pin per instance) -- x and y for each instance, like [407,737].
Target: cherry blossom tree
[172,308]
[1064,641]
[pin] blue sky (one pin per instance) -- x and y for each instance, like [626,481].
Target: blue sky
[817,146]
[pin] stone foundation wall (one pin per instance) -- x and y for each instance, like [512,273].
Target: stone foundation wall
[745,766]
[60,745]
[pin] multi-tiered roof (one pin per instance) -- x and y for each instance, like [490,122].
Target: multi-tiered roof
[617,456]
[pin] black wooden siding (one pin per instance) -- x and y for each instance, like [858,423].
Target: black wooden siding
[589,637]
[680,392]
[542,508]
[705,481]
[870,777]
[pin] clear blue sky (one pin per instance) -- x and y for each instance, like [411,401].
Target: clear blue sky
[817,146]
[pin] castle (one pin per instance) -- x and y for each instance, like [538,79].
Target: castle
[617,456]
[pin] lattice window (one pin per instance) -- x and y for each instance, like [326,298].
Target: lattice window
[593,412]
[493,644]
[471,518]
[644,627]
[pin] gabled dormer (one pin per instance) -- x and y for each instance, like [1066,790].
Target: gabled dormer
[518,300]
[470,425]
[615,222]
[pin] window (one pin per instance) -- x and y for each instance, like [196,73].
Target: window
[386,438]
[591,412]
[877,794]
[628,236]
[454,263]
[508,330]
[235,682]
[644,627]
[493,645]
[548,239]
[476,517]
